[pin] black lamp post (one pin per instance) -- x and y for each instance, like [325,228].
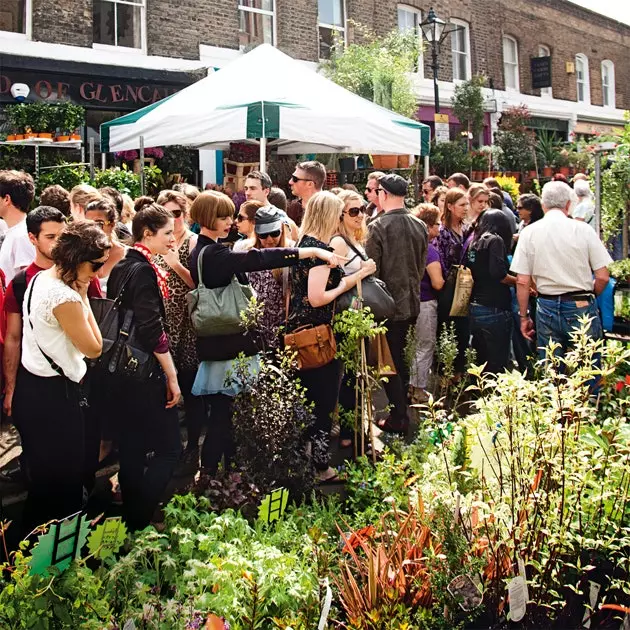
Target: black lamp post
[435,31]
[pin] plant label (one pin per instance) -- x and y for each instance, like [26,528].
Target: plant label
[323,620]
[107,538]
[523,574]
[273,505]
[517,591]
[466,592]
[592,599]
[130,625]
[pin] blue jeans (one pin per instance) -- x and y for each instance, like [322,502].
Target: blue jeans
[555,320]
[491,330]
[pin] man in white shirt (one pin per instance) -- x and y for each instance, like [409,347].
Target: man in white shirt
[561,256]
[16,194]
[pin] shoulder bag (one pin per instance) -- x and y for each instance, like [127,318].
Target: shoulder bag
[122,354]
[454,298]
[374,293]
[216,312]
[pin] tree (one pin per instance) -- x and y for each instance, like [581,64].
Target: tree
[468,105]
[515,139]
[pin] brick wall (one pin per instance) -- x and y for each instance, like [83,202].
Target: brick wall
[63,21]
[296,26]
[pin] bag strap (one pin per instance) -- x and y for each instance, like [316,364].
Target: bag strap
[52,363]
[19,287]
[465,246]
[351,245]
[123,334]
[200,283]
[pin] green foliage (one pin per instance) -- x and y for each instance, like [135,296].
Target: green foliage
[620,269]
[510,185]
[515,139]
[68,177]
[449,157]
[547,147]
[45,117]
[377,68]
[468,104]
[179,159]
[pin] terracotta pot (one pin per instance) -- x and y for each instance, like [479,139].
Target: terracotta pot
[19,136]
[46,135]
[29,135]
[11,137]
[376,162]
[403,161]
[75,137]
[62,139]
[531,174]
[516,175]
[564,170]
[547,171]
[388,162]
[474,175]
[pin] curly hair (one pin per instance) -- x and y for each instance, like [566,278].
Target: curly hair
[79,242]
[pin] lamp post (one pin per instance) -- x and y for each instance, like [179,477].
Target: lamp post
[435,31]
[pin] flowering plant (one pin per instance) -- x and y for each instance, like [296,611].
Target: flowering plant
[132,154]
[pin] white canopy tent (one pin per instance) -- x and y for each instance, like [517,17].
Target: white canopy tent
[267,97]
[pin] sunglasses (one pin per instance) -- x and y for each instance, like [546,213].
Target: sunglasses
[295,179]
[427,191]
[177,213]
[274,234]
[380,190]
[102,224]
[96,264]
[240,218]
[355,212]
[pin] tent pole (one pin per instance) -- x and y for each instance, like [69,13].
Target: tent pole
[142,189]
[263,155]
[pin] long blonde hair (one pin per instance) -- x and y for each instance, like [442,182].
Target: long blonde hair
[360,235]
[321,217]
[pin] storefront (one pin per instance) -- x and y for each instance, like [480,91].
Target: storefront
[426,115]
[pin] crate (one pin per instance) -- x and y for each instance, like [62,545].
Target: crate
[237,182]
[239,169]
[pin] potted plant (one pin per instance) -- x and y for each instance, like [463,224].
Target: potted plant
[16,116]
[478,165]
[515,140]
[43,115]
[547,150]
[562,162]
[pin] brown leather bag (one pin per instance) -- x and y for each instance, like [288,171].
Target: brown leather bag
[315,345]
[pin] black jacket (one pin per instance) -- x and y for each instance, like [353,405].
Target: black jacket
[142,295]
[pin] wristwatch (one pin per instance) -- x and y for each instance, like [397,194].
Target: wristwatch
[526,316]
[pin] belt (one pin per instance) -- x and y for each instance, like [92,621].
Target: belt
[572,296]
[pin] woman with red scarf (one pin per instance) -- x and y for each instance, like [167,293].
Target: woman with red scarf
[147,410]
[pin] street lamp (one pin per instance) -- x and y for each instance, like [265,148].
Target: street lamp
[435,31]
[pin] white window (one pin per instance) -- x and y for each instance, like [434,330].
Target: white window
[120,23]
[510,63]
[409,19]
[544,51]
[460,49]
[256,22]
[331,25]
[608,84]
[582,79]
[15,17]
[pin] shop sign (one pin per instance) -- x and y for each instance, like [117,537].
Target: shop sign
[92,92]
[442,128]
[593,129]
[541,72]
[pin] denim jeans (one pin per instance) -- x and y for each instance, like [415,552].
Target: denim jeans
[555,320]
[491,330]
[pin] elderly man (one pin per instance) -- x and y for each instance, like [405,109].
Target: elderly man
[585,208]
[561,256]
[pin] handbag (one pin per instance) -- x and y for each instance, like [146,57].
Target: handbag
[123,354]
[374,293]
[216,312]
[454,298]
[380,356]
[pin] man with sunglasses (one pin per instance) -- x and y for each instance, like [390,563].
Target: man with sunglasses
[397,242]
[374,207]
[429,186]
[308,178]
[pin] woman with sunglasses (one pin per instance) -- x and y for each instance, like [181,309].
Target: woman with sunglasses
[245,225]
[59,332]
[147,409]
[181,335]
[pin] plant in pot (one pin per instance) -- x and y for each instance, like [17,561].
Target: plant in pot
[449,157]
[74,118]
[547,149]
[16,117]
[42,121]
[478,165]
[562,162]
[515,140]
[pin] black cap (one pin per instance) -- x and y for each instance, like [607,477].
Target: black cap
[267,219]
[394,184]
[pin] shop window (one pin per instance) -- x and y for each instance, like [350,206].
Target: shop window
[510,63]
[120,23]
[256,22]
[582,79]
[409,19]
[544,51]
[14,16]
[331,25]
[608,83]
[460,50]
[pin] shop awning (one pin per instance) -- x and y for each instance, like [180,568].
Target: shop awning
[267,94]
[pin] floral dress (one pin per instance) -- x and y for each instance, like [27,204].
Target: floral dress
[450,246]
[270,293]
[182,339]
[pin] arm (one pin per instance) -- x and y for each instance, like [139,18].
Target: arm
[173,392]
[434,270]
[523,283]
[172,260]
[143,296]
[374,248]
[79,328]
[11,357]
[601,280]
[318,295]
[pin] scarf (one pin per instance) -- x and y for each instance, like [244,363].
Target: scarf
[161,274]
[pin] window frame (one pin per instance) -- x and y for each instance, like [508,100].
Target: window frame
[418,13]
[28,24]
[508,39]
[343,29]
[610,90]
[272,14]
[545,51]
[466,27]
[142,50]
[581,57]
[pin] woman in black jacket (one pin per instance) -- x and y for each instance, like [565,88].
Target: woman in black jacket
[214,212]
[148,421]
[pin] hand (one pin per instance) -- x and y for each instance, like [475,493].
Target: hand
[81,287]
[333,260]
[7,404]
[527,328]
[173,393]
[171,258]
[368,267]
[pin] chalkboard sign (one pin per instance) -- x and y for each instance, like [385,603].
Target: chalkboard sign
[541,72]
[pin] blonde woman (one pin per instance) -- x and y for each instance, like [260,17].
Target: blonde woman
[128,211]
[314,288]
[478,196]
[80,197]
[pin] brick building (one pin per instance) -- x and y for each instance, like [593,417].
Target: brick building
[114,56]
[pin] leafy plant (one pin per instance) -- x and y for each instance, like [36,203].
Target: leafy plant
[510,185]
[620,269]
[547,147]
[515,139]
[122,179]
[468,106]
[449,157]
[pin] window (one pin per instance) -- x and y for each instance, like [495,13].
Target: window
[409,19]
[608,84]
[119,23]
[14,16]
[332,25]
[582,79]
[256,19]
[544,51]
[460,49]
[510,63]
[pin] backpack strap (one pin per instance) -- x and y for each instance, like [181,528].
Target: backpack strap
[19,287]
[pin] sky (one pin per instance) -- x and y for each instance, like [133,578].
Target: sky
[617,9]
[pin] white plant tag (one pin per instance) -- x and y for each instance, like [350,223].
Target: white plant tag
[518,601]
[130,625]
[323,620]
[592,600]
[523,574]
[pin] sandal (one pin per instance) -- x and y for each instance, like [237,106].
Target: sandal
[333,478]
[391,426]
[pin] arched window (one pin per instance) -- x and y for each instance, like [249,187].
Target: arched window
[460,49]
[544,51]
[510,63]
[608,84]
[582,79]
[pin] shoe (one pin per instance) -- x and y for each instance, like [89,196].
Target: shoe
[328,477]
[390,425]
[419,396]
[188,463]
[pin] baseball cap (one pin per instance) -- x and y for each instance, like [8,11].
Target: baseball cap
[267,219]
[394,184]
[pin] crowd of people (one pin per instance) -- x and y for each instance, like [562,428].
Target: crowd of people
[532,264]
